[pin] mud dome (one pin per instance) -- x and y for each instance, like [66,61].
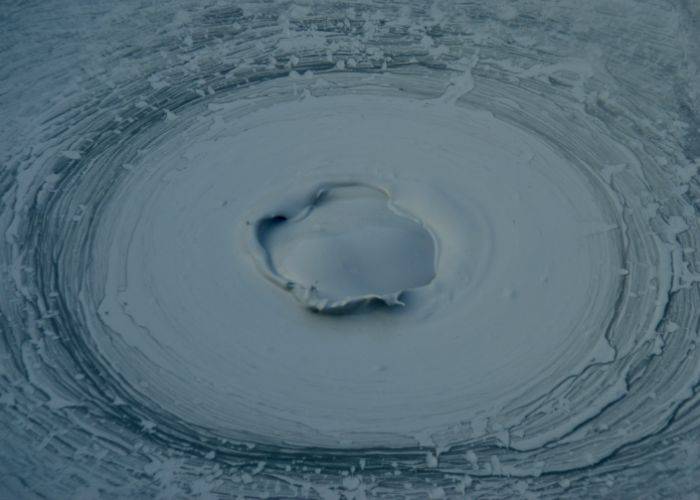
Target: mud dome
[387,251]
[493,257]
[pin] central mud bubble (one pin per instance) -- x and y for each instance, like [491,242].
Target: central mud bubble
[343,245]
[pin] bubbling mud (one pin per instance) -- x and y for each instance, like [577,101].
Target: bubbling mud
[492,210]
[341,247]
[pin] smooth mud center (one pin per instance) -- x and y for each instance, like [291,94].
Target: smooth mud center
[343,245]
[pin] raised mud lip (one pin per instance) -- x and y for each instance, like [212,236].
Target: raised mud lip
[342,245]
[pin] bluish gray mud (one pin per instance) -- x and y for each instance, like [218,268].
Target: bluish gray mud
[551,148]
